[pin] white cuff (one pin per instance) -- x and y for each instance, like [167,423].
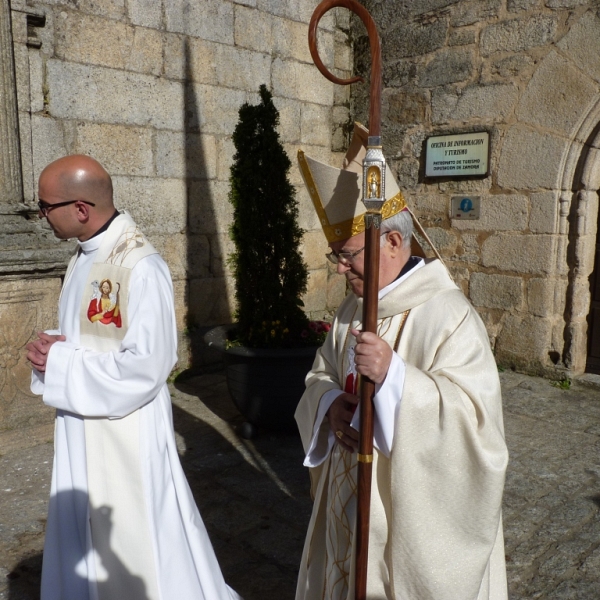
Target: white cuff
[37,382]
[387,404]
[58,366]
[320,447]
[38,378]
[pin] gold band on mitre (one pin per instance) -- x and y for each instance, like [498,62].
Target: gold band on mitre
[337,193]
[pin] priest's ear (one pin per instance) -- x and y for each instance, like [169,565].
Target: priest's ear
[395,242]
[83,211]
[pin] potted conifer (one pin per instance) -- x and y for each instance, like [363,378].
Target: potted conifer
[272,345]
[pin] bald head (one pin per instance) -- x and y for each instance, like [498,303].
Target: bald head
[77,195]
[83,178]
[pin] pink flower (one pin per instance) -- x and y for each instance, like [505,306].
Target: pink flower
[322,326]
[319,326]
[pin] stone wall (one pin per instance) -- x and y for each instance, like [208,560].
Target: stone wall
[152,88]
[528,72]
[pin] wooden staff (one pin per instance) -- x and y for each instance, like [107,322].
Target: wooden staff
[374,163]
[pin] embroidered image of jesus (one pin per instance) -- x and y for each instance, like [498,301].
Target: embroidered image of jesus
[104,306]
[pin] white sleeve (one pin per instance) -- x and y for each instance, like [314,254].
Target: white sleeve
[37,382]
[114,384]
[387,404]
[37,377]
[318,452]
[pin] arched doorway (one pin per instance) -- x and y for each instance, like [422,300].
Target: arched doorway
[560,135]
[593,356]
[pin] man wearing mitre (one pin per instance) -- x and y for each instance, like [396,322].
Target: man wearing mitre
[439,455]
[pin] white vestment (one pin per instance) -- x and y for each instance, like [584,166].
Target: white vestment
[435,519]
[122,521]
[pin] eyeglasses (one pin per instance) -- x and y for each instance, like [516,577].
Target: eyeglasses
[45,208]
[346,258]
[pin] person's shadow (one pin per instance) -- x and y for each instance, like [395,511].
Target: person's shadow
[65,576]
[253,495]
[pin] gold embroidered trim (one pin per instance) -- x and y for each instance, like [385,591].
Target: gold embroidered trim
[345,347]
[400,329]
[351,227]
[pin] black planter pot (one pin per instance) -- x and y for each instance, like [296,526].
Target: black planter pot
[265,384]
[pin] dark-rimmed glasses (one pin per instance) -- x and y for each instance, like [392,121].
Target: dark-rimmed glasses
[45,208]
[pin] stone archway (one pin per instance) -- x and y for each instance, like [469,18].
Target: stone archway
[593,354]
[558,131]
[581,216]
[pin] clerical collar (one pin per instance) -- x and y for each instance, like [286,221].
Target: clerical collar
[414,263]
[106,225]
[93,243]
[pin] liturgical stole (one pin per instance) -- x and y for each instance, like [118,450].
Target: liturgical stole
[120,530]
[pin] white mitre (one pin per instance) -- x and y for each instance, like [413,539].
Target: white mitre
[336,193]
[337,196]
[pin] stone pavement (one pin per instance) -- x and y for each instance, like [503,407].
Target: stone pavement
[253,494]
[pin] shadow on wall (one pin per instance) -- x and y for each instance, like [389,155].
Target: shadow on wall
[206,292]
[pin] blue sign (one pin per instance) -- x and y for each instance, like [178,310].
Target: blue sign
[466,205]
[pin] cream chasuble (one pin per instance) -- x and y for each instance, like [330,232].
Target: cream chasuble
[122,522]
[342,509]
[436,530]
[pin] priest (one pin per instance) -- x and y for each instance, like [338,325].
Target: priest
[439,450]
[122,522]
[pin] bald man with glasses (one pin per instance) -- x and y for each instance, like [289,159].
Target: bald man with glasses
[122,522]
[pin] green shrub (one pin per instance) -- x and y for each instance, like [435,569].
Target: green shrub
[270,275]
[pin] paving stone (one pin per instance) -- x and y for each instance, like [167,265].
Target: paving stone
[300,81]
[158,205]
[145,12]
[295,11]
[121,150]
[289,41]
